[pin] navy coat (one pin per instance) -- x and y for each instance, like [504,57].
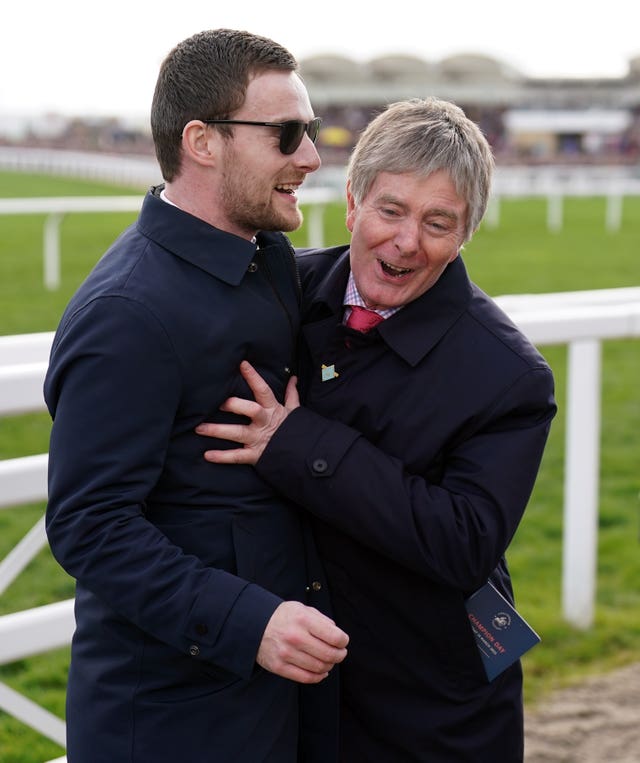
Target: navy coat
[179,563]
[417,451]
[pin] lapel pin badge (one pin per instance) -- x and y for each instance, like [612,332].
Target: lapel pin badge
[329,372]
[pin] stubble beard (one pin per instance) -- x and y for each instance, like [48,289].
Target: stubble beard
[251,215]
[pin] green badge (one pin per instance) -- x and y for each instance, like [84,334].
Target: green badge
[329,372]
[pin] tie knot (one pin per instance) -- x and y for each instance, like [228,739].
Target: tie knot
[362,319]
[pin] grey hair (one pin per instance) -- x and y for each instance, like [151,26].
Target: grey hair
[423,136]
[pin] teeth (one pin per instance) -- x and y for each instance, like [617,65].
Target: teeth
[394,269]
[289,188]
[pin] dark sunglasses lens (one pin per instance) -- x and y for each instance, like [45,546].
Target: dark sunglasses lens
[314,128]
[291,136]
[293,133]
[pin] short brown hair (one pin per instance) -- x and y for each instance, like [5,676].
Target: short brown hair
[206,77]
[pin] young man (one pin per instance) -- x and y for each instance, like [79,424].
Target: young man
[417,447]
[192,640]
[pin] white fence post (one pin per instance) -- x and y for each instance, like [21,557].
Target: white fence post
[51,251]
[554,212]
[492,215]
[614,212]
[582,466]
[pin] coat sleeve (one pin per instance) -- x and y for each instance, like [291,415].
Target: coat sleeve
[113,389]
[453,527]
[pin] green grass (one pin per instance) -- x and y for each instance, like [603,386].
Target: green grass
[519,256]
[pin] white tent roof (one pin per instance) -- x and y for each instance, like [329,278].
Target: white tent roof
[566,121]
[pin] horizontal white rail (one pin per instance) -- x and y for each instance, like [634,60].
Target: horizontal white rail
[515,303]
[21,387]
[23,480]
[34,631]
[556,324]
[25,348]
[63,204]
[68,204]
[56,207]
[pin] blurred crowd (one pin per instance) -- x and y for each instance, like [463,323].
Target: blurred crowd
[343,124]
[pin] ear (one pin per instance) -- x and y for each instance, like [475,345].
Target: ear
[351,208]
[199,143]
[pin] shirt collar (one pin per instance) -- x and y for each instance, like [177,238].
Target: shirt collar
[352,297]
[217,252]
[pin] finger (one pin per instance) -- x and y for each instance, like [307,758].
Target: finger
[291,396]
[233,456]
[294,673]
[242,407]
[231,432]
[326,631]
[261,390]
[314,664]
[307,655]
[323,656]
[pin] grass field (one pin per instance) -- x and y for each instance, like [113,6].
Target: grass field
[518,256]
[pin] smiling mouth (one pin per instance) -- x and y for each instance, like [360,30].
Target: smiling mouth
[288,188]
[392,270]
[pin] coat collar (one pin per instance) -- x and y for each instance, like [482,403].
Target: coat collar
[413,331]
[215,251]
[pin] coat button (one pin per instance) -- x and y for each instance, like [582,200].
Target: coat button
[253,266]
[194,650]
[316,585]
[201,629]
[319,466]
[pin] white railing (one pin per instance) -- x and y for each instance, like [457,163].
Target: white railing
[555,184]
[55,208]
[582,320]
[23,363]
[315,199]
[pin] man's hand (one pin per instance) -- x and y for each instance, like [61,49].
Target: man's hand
[266,415]
[302,644]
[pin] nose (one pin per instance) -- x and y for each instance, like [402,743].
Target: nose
[407,238]
[306,156]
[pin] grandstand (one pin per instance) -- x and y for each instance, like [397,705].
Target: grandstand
[527,121]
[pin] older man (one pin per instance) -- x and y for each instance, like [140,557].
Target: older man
[417,447]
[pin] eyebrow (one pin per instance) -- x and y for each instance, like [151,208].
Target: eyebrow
[437,211]
[443,213]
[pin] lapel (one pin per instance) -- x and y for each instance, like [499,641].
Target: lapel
[416,329]
[412,332]
[324,307]
[221,254]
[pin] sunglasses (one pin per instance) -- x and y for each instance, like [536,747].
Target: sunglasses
[291,133]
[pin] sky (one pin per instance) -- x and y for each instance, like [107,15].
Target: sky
[83,58]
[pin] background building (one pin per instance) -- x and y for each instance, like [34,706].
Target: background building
[526,120]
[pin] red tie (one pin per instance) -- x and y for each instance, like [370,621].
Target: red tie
[362,319]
